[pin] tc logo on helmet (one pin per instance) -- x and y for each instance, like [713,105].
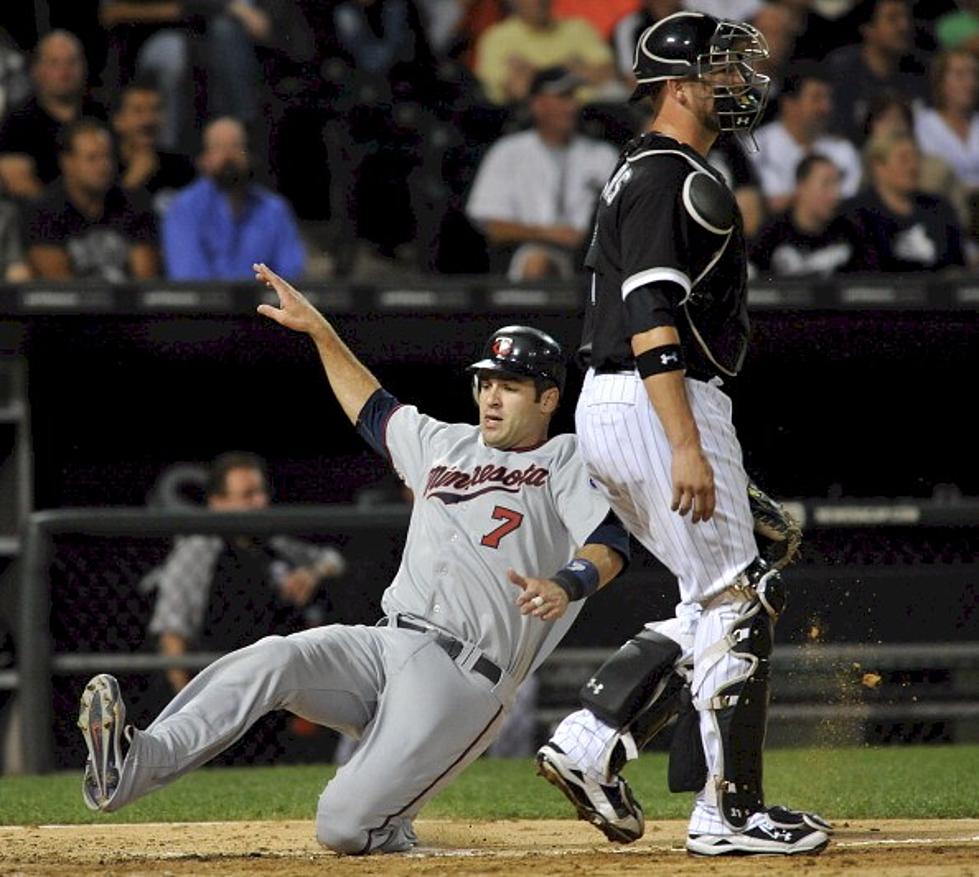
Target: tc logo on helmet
[502,347]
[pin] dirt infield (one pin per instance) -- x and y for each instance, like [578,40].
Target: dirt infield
[287,849]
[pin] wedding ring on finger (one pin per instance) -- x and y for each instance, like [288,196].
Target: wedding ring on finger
[538,601]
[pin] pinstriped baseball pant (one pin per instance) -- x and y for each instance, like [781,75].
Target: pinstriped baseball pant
[628,455]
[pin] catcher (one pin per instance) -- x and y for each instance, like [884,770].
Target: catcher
[643,686]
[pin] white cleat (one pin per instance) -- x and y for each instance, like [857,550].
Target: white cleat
[610,808]
[761,837]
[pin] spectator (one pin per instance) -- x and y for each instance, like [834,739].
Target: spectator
[601,16]
[882,61]
[15,83]
[626,33]
[29,134]
[167,40]
[804,113]
[950,130]
[13,264]
[86,226]
[218,226]
[384,38]
[735,10]
[889,113]
[810,239]
[535,191]
[511,52]
[136,122]
[898,227]
[216,594]
[960,29]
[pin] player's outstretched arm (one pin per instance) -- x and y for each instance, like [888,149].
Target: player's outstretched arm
[350,379]
[547,599]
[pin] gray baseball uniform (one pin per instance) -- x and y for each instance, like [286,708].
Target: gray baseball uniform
[426,692]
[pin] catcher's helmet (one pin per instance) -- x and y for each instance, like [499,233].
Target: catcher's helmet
[525,352]
[691,45]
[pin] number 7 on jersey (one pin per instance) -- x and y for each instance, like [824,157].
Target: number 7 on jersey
[511,520]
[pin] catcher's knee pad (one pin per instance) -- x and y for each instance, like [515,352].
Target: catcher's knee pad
[739,706]
[637,691]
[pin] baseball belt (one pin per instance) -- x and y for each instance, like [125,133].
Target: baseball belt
[452,647]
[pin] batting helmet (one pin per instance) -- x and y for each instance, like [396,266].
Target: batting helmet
[523,351]
[691,45]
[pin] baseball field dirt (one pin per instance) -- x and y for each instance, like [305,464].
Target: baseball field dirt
[563,847]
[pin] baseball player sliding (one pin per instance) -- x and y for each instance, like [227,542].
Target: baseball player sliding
[426,689]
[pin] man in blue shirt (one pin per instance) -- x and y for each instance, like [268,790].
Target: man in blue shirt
[213,228]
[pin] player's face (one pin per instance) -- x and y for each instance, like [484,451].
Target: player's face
[510,414]
[244,490]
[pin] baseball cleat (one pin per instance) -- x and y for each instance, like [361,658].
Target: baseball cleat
[760,838]
[102,718]
[786,817]
[610,808]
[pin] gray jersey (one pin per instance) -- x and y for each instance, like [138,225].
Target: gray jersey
[478,512]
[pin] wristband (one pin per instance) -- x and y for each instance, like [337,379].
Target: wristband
[666,358]
[579,579]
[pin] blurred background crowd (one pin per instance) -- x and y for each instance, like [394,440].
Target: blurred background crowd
[373,139]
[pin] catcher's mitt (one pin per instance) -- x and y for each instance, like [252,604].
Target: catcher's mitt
[778,534]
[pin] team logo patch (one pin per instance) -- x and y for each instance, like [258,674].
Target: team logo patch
[502,346]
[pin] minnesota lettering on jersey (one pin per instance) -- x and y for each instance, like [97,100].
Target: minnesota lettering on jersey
[497,477]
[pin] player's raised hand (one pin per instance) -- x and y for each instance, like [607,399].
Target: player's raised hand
[294,311]
[541,598]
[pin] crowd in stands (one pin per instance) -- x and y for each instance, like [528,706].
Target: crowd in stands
[186,139]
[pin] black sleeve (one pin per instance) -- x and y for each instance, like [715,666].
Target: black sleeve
[612,533]
[373,419]
[655,257]
[652,305]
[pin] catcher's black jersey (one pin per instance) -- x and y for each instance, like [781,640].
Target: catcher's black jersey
[663,228]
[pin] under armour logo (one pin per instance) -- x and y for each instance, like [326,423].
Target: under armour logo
[576,566]
[667,358]
[774,833]
[594,686]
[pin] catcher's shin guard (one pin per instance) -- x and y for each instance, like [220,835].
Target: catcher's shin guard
[637,690]
[739,706]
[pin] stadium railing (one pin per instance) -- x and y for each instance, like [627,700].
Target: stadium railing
[82,611]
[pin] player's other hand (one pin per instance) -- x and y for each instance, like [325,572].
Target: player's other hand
[541,598]
[693,484]
[294,311]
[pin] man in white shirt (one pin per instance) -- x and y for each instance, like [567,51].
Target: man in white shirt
[805,110]
[535,191]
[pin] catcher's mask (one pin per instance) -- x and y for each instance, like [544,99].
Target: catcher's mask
[524,352]
[692,45]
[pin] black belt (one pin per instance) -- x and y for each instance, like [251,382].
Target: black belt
[703,377]
[453,648]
